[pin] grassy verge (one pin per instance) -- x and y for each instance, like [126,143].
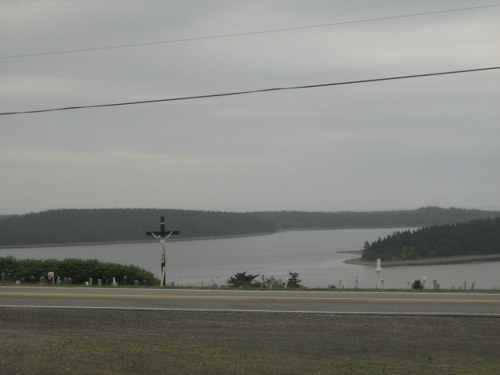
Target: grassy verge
[60,341]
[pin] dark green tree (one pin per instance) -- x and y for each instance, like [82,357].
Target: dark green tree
[293,280]
[417,284]
[242,280]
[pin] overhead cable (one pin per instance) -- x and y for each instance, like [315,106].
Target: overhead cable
[77,50]
[206,96]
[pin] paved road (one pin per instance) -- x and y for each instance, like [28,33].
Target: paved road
[231,300]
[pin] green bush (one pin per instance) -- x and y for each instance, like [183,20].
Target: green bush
[417,284]
[246,281]
[242,280]
[79,270]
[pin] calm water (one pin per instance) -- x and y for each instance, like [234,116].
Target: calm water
[313,254]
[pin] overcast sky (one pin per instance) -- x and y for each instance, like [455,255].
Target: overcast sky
[386,145]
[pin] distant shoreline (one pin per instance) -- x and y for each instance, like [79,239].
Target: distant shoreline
[423,262]
[175,239]
[133,241]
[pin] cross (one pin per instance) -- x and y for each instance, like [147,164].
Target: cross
[163,235]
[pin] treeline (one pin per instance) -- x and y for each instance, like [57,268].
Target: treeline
[478,237]
[396,218]
[78,270]
[114,225]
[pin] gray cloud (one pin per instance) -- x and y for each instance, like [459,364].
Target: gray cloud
[400,144]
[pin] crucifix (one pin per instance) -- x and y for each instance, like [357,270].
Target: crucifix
[163,235]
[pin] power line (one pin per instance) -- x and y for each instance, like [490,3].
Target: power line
[242,33]
[206,96]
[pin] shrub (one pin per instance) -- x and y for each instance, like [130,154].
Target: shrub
[417,284]
[242,280]
[79,270]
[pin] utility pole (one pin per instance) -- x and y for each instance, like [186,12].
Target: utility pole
[163,235]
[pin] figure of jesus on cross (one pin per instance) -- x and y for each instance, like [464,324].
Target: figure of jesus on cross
[163,235]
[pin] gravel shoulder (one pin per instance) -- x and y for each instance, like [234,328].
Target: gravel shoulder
[100,341]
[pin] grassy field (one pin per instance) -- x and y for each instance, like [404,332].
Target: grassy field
[70,341]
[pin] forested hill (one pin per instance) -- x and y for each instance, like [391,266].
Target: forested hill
[478,237]
[396,218]
[110,225]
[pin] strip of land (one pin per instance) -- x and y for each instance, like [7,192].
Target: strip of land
[424,262]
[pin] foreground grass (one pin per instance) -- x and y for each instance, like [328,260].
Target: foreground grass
[58,341]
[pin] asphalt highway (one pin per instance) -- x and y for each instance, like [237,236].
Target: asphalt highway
[420,303]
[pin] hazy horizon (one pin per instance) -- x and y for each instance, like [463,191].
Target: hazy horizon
[285,210]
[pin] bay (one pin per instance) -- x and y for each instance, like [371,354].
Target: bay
[316,255]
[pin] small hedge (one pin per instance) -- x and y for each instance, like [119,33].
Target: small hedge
[79,270]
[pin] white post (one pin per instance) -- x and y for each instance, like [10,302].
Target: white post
[378,269]
[163,251]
